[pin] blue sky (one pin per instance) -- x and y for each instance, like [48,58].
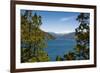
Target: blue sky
[58,22]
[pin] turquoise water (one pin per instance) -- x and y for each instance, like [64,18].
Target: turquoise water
[59,47]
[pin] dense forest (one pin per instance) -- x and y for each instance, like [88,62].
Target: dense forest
[34,40]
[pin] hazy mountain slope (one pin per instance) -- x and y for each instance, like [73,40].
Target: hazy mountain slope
[64,35]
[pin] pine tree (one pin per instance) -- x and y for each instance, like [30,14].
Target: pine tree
[58,58]
[32,38]
[70,56]
[26,35]
[82,36]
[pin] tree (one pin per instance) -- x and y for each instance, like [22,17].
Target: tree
[38,36]
[70,56]
[26,35]
[58,58]
[82,36]
[32,38]
[36,20]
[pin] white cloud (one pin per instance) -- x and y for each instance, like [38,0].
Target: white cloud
[67,18]
[64,19]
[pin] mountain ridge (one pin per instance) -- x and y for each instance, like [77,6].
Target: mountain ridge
[70,35]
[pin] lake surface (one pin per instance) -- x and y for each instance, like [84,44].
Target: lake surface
[59,47]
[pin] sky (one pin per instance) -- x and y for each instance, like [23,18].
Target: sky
[58,22]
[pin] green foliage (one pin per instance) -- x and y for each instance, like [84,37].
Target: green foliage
[25,55]
[42,57]
[70,56]
[33,59]
[33,38]
[36,20]
[82,36]
[58,58]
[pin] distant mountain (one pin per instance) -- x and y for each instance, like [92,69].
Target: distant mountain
[56,35]
[69,35]
[49,36]
[63,36]
[38,33]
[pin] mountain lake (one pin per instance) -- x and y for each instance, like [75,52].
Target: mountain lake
[59,47]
